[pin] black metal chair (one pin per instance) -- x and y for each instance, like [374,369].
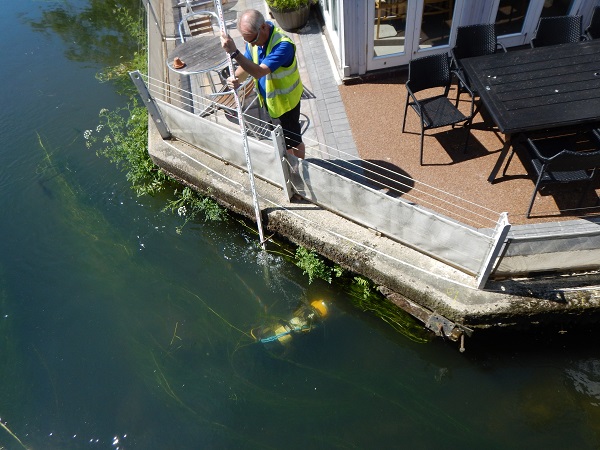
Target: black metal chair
[557,30]
[471,41]
[437,111]
[593,29]
[553,161]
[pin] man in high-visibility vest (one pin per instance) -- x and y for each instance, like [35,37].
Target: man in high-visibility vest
[270,57]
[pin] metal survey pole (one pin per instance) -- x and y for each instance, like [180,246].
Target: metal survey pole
[243,131]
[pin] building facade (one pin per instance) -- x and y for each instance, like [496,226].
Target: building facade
[371,35]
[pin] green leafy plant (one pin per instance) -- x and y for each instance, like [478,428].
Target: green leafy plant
[189,204]
[315,267]
[287,5]
[363,284]
[122,135]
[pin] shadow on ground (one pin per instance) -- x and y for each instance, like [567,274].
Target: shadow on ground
[382,176]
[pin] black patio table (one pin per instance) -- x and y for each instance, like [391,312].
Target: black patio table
[538,89]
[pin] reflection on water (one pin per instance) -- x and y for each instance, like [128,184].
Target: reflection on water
[117,332]
[91,32]
[586,379]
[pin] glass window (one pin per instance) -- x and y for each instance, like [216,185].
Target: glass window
[436,23]
[556,8]
[334,14]
[511,16]
[390,27]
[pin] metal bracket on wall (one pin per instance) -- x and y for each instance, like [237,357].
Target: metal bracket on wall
[153,110]
[281,152]
[446,328]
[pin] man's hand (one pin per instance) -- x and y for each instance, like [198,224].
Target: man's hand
[227,43]
[233,82]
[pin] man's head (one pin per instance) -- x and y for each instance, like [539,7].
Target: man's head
[253,28]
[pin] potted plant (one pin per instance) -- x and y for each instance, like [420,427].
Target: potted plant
[290,14]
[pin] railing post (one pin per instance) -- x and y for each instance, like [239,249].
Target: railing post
[280,153]
[150,104]
[500,233]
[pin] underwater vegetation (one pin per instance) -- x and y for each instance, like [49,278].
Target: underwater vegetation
[370,301]
[361,293]
[8,354]
[217,372]
[67,196]
[125,144]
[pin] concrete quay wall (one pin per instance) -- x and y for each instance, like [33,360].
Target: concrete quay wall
[445,299]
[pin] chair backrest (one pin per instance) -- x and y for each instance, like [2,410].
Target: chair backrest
[196,5]
[226,98]
[557,30]
[429,72]
[593,29]
[196,23]
[568,160]
[475,40]
[391,7]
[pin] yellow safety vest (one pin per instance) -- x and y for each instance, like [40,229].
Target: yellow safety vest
[283,88]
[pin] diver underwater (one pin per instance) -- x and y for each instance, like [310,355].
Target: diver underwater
[303,320]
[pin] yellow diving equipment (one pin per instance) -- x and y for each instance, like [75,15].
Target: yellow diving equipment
[321,307]
[304,319]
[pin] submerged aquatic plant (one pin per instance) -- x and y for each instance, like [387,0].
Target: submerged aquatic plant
[189,204]
[364,296]
[14,436]
[7,355]
[362,292]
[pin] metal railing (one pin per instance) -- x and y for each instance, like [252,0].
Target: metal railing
[461,233]
[364,192]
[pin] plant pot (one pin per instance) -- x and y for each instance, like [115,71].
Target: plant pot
[290,20]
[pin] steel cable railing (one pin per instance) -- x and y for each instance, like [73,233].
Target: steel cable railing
[375,176]
[421,193]
[194,102]
[411,188]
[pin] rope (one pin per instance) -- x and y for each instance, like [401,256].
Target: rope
[285,333]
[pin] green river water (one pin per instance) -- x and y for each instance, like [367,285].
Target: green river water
[118,332]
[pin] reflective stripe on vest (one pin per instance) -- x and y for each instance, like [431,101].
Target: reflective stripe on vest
[283,88]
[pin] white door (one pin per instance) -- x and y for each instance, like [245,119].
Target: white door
[332,13]
[401,30]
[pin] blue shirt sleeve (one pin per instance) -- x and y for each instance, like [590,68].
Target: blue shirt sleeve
[281,55]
